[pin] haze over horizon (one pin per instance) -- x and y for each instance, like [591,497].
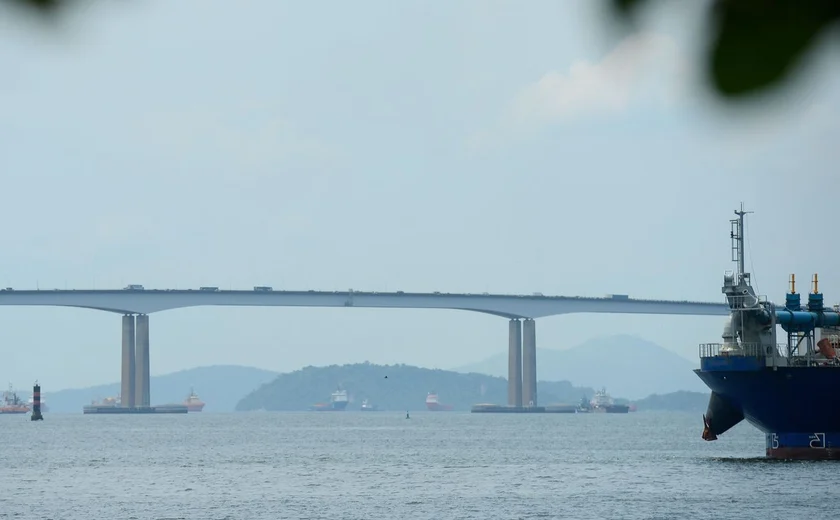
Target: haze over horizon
[525,148]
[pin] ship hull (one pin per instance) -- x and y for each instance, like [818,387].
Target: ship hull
[795,407]
[613,408]
[437,407]
[195,407]
[14,411]
[334,407]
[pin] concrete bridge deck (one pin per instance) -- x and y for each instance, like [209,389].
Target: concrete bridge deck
[509,306]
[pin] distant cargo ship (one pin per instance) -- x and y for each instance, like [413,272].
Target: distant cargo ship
[193,403]
[602,402]
[434,405]
[12,404]
[338,402]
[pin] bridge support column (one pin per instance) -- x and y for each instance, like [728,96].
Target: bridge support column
[515,363]
[128,369]
[529,362]
[141,388]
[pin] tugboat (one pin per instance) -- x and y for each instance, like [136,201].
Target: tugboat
[367,406]
[193,403]
[602,402]
[12,404]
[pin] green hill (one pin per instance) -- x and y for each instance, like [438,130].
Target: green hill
[392,387]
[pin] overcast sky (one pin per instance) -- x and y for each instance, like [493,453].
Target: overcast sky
[506,147]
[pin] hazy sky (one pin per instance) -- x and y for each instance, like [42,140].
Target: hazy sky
[472,146]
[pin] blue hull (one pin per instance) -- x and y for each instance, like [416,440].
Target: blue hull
[796,407]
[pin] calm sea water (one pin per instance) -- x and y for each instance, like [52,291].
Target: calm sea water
[365,466]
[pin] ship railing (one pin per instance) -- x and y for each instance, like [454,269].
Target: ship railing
[757,350]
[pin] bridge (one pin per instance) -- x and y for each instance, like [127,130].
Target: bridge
[135,303]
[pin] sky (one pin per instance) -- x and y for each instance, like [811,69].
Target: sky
[465,146]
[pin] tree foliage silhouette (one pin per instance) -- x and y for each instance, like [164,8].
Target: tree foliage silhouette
[754,45]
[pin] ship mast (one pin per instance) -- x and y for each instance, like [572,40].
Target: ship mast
[737,235]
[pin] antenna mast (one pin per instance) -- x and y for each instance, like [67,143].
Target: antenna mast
[737,235]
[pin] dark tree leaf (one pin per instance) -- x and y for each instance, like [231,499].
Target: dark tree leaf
[757,43]
[626,6]
[43,6]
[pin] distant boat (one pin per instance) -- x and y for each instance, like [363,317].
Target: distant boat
[193,403]
[433,404]
[584,406]
[12,404]
[602,402]
[338,402]
[367,406]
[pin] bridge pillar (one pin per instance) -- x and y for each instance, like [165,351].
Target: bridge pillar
[529,362]
[141,388]
[515,363]
[127,378]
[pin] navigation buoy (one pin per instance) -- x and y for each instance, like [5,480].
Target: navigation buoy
[36,403]
[406,415]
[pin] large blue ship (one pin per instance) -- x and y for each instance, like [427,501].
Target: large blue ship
[784,389]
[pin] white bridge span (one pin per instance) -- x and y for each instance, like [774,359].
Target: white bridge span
[521,310]
[509,306]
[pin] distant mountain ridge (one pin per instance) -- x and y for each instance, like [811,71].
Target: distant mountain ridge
[628,366]
[220,386]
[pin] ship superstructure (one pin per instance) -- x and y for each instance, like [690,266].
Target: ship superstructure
[193,402]
[786,389]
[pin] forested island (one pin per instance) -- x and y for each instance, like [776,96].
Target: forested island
[393,387]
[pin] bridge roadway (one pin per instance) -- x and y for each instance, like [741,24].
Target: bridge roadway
[521,310]
[509,306]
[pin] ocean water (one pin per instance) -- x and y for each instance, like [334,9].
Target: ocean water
[364,466]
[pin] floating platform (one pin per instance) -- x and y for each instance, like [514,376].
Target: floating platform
[498,408]
[165,408]
[561,408]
